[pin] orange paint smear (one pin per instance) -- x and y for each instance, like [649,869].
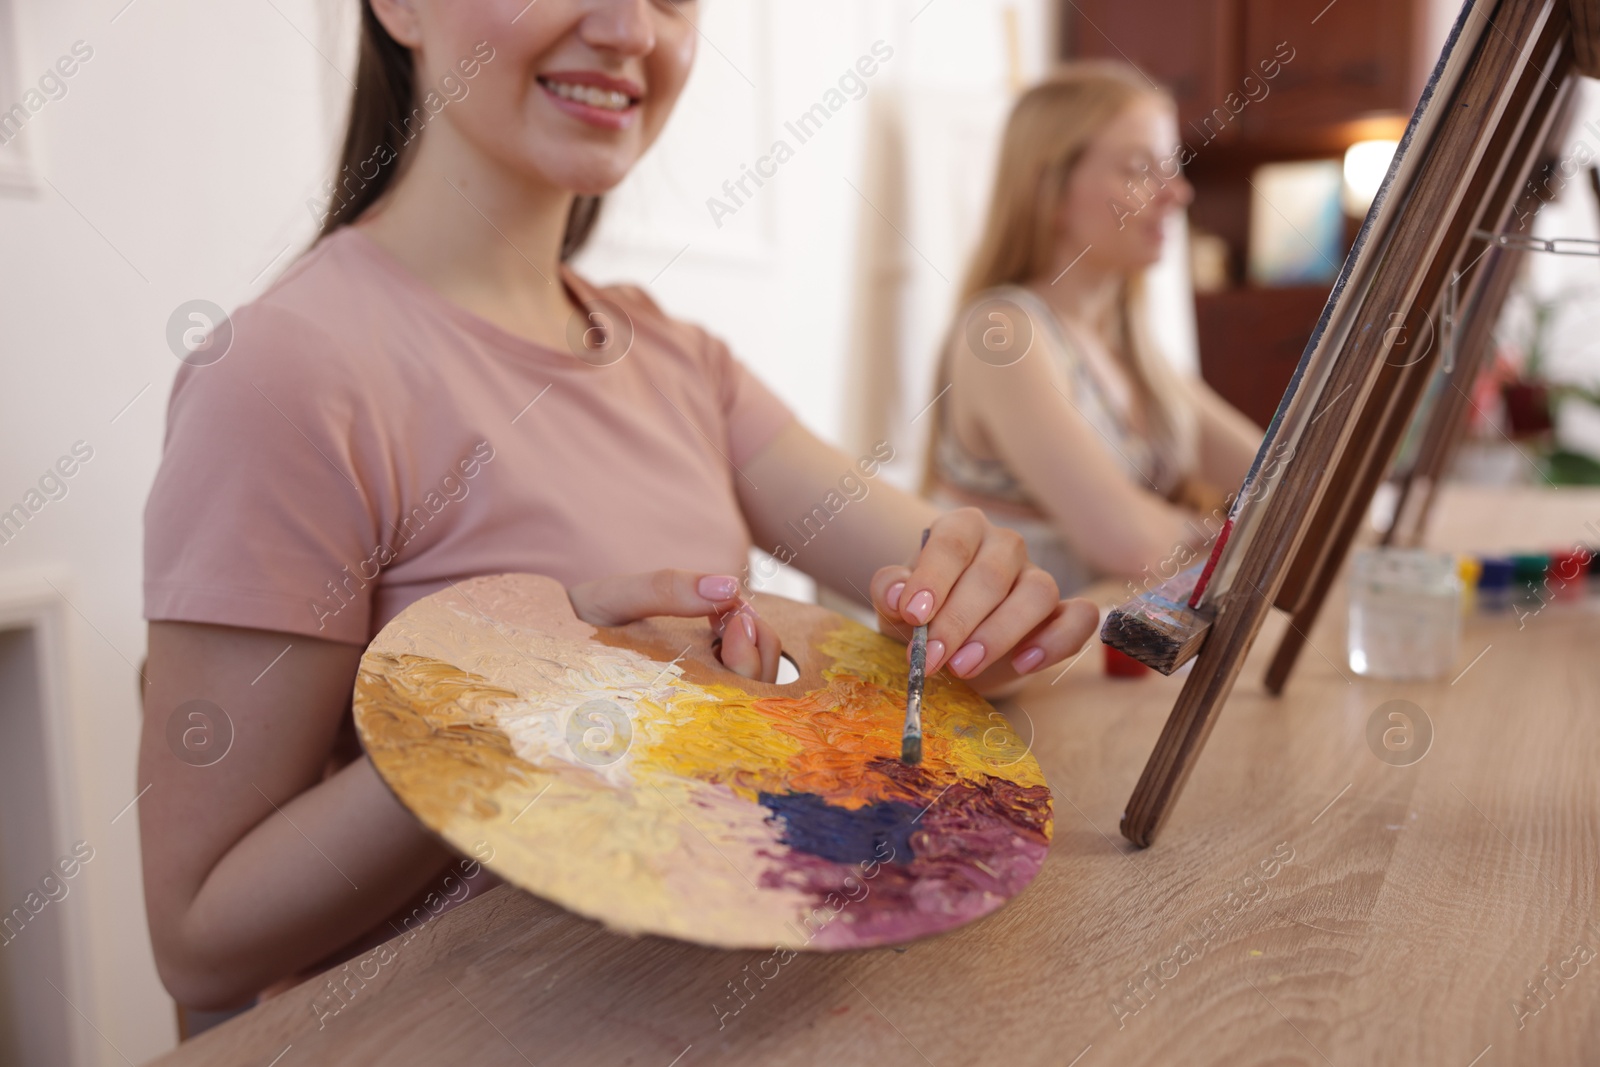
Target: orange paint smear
[842,731]
[841,741]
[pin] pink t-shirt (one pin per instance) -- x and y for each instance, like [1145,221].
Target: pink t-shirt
[365,441]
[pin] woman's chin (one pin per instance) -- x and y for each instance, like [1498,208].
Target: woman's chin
[575,167]
[592,188]
[1135,260]
[582,181]
[1151,251]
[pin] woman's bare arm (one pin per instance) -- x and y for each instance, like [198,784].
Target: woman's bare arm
[1228,440]
[255,866]
[991,614]
[1028,413]
[856,522]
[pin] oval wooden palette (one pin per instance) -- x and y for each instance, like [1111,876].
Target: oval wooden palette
[624,774]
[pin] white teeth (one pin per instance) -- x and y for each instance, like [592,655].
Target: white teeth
[609,99]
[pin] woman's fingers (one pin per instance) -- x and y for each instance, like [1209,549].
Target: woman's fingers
[887,586]
[740,649]
[973,586]
[992,616]
[623,598]
[972,642]
[954,541]
[1059,636]
[771,648]
[1064,634]
[750,646]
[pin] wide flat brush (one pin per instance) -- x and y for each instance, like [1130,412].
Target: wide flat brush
[911,738]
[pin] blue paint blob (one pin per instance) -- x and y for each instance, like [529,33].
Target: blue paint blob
[868,833]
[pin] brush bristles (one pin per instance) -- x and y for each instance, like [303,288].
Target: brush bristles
[911,750]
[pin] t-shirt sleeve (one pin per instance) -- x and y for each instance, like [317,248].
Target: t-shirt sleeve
[260,515]
[754,412]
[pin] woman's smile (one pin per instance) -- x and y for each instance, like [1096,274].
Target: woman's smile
[595,98]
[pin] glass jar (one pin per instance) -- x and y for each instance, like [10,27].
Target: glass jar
[1405,613]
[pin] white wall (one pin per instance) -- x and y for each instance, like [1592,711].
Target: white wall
[176,166]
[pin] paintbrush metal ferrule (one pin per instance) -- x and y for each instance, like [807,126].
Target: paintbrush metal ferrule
[911,739]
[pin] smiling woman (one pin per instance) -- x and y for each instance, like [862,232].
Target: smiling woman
[435,316]
[387,102]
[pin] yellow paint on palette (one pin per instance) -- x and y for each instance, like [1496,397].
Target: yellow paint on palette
[827,741]
[607,780]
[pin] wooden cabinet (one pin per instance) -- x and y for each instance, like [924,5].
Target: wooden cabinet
[1286,74]
[1189,48]
[1263,81]
[1348,60]
[1251,341]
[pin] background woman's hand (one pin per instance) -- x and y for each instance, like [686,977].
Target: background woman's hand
[749,645]
[992,615]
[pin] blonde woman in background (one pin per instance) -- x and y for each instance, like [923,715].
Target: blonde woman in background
[1061,420]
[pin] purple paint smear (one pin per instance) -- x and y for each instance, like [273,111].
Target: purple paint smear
[976,846]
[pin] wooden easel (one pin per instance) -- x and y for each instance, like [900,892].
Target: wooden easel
[1482,283]
[1498,92]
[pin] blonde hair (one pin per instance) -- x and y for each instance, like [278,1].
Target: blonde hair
[1050,127]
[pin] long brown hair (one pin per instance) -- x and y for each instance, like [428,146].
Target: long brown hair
[385,97]
[1050,127]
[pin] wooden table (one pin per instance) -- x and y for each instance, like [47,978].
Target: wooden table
[1416,904]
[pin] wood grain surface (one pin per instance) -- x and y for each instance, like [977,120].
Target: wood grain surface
[1416,903]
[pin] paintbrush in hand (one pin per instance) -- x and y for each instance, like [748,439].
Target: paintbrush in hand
[911,739]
